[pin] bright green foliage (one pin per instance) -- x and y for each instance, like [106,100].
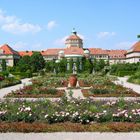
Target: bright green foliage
[124,69]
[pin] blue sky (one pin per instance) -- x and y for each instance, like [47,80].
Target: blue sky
[42,24]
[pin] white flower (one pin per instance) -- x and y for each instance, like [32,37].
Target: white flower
[2,112]
[126,115]
[27,109]
[46,116]
[30,114]
[67,113]
[87,121]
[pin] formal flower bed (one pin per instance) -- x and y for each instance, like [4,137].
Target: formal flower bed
[104,87]
[74,110]
[50,81]
[84,83]
[69,115]
[103,91]
[32,92]
[41,87]
[95,80]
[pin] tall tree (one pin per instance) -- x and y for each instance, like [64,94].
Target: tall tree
[24,64]
[37,62]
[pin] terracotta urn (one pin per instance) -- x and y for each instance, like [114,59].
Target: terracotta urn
[73,80]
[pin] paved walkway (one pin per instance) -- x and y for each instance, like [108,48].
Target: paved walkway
[5,91]
[76,93]
[70,136]
[123,81]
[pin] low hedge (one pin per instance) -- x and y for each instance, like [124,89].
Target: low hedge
[23,74]
[124,73]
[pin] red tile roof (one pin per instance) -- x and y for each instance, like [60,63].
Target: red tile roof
[116,53]
[52,51]
[73,37]
[95,51]
[8,50]
[67,51]
[23,53]
[74,50]
[135,47]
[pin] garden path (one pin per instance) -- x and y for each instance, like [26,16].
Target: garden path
[70,136]
[5,91]
[123,81]
[76,93]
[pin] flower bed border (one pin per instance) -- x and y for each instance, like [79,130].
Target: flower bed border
[68,127]
[86,94]
[58,95]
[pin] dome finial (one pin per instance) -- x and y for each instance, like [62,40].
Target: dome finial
[138,36]
[73,31]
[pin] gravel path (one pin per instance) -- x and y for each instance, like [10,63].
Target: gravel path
[123,81]
[5,91]
[76,93]
[70,136]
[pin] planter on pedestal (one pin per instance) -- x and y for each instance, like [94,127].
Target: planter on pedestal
[73,80]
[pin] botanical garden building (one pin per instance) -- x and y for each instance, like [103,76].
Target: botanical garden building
[74,50]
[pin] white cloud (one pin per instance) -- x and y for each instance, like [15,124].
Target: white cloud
[13,25]
[60,41]
[105,34]
[23,46]
[18,28]
[124,45]
[51,25]
[20,45]
[6,19]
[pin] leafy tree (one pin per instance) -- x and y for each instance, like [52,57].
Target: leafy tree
[98,65]
[24,64]
[37,62]
[50,65]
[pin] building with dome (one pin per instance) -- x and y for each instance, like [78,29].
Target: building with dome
[74,50]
